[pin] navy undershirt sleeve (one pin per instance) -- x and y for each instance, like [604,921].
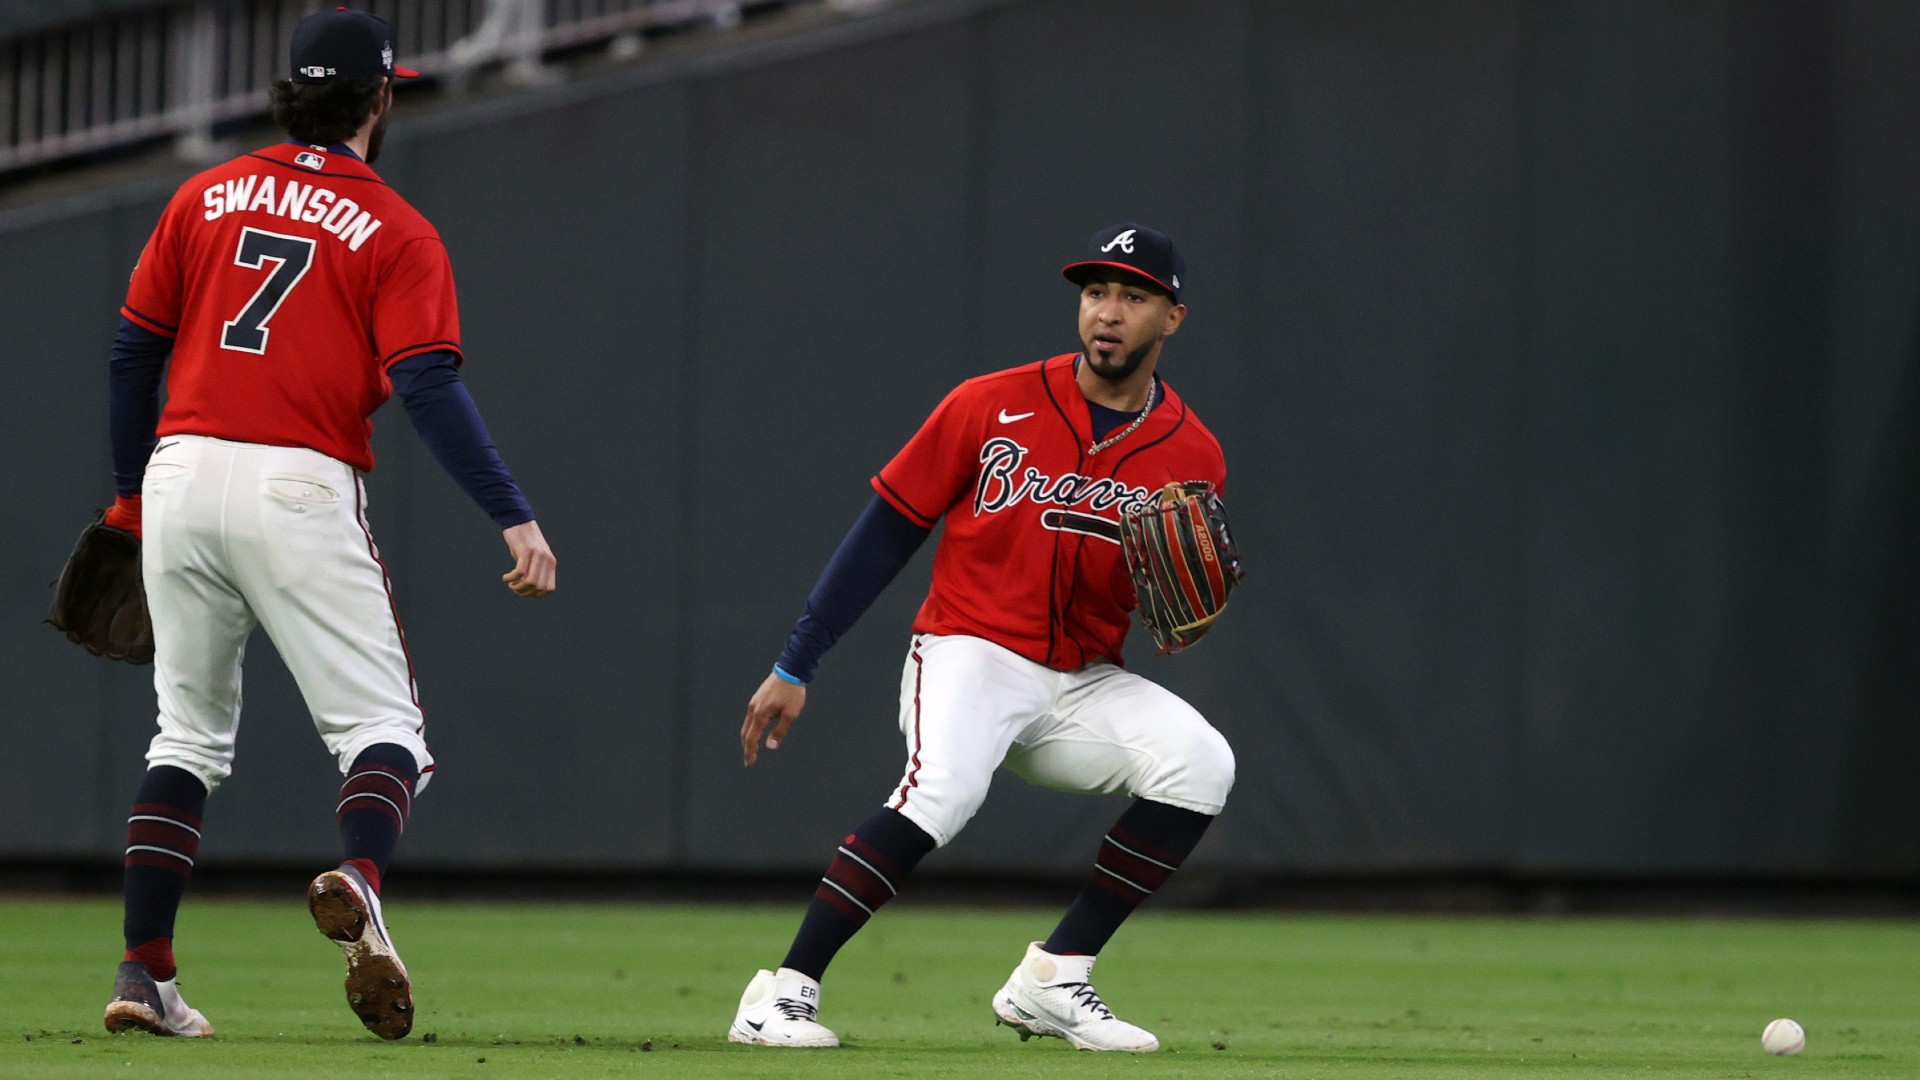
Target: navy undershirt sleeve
[871,556]
[449,424]
[137,364]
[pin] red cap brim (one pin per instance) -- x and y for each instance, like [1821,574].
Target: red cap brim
[404,73]
[1067,272]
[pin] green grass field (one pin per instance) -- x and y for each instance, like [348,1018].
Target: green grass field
[597,991]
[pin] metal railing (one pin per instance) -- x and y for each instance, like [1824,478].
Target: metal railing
[177,70]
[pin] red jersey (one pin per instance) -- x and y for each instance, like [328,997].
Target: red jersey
[290,279]
[1030,559]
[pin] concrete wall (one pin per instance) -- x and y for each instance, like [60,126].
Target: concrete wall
[1564,355]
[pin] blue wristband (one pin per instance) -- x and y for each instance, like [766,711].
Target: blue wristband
[788,676]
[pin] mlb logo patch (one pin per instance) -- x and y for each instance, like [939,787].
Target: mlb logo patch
[310,159]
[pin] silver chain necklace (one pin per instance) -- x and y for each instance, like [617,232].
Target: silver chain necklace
[1153,392]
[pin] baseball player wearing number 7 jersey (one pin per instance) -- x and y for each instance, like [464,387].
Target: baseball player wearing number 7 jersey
[293,291]
[1015,657]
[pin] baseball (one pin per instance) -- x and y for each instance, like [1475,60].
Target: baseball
[1783,1038]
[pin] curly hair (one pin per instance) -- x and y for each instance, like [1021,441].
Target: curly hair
[328,112]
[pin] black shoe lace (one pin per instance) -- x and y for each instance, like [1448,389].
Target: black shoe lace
[795,1009]
[1086,995]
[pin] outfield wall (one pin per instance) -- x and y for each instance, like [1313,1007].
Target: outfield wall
[1564,354]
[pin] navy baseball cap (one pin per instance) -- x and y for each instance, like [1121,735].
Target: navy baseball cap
[1130,246]
[344,44]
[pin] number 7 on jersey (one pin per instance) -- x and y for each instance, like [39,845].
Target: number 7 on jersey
[291,255]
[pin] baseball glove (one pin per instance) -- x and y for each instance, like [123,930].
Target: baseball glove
[1182,560]
[100,601]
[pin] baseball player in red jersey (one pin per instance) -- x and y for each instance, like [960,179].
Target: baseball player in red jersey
[285,295]
[1016,653]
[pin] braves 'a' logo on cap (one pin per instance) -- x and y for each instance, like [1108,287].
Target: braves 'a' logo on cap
[1124,242]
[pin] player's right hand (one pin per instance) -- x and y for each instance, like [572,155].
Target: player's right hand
[534,566]
[777,704]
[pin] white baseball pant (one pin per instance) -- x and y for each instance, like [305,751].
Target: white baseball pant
[238,535]
[968,706]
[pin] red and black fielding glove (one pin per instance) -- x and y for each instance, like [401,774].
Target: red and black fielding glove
[1182,560]
[100,601]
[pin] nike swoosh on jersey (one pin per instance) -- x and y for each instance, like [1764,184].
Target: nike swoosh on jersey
[1008,418]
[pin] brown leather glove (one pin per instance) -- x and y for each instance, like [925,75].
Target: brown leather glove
[1182,560]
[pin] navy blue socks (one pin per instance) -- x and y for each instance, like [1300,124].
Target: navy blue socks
[1138,855]
[375,802]
[163,839]
[866,872]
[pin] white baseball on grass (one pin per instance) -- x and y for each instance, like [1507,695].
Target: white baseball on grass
[1783,1038]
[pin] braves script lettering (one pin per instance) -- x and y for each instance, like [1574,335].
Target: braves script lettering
[1003,483]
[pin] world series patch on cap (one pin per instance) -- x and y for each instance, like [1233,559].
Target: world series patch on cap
[1132,246]
[344,44]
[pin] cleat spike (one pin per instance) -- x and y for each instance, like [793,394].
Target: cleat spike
[781,1008]
[1063,1004]
[347,910]
[141,1004]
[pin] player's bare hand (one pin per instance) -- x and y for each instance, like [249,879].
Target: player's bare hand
[775,705]
[534,566]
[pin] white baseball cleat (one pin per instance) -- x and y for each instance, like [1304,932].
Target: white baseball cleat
[347,910]
[1050,995]
[779,1009]
[141,1002]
